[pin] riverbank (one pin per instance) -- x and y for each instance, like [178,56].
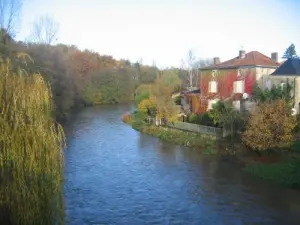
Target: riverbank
[283,169]
[201,142]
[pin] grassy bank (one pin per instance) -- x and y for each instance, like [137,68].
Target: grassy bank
[276,168]
[205,143]
[179,137]
[284,173]
[280,167]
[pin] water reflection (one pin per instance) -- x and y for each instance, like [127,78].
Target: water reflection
[115,175]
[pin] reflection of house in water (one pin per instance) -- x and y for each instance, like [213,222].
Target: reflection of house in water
[288,72]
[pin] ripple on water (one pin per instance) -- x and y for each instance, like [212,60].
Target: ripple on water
[116,176]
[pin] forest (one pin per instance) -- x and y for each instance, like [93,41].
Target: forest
[80,78]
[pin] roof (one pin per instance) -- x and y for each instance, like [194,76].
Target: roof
[253,58]
[289,67]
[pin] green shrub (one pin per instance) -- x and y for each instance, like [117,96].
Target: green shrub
[139,120]
[178,100]
[141,97]
[201,119]
[192,118]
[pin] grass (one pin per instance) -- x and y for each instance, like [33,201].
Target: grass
[284,173]
[296,146]
[179,137]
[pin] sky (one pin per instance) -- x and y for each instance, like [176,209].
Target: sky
[163,31]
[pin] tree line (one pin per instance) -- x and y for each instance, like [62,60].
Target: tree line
[80,77]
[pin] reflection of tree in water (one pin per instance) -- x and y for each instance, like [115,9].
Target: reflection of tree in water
[31,158]
[168,152]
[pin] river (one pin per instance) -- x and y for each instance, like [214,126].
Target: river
[115,175]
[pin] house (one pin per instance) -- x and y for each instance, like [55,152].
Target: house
[289,71]
[234,79]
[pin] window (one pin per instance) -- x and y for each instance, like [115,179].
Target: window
[214,74]
[213,87]
[238,87]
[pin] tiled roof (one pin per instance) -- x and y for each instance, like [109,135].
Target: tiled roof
[253,58]
[289,67]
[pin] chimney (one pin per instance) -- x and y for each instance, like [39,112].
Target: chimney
[274,56]
[216,60]
[242,54]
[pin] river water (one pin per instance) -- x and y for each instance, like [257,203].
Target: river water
[115,175]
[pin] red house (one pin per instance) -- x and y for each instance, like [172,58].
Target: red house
[234,79]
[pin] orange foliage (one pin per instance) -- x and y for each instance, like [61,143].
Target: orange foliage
[270,126]
[127,118]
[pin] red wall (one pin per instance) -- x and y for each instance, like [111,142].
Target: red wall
[225,79]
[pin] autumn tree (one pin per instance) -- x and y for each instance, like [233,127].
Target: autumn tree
[44,30]
[290,52]
[270,126]
[31,153]
[162,93]
[148,106]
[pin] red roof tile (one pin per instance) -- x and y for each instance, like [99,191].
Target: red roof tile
[253,58]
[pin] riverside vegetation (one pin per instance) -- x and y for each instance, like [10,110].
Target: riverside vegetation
[47,83]
[269,132]
[31,159]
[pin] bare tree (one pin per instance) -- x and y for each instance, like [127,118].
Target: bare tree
[10,11]
[190,67]
[44,30]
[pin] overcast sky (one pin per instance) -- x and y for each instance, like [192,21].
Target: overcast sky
[164,30]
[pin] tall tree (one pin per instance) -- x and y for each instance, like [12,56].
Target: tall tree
[162,93]
[290,52]
[44,30]
[190,69]
[188,65]
[9,15]
[31,154]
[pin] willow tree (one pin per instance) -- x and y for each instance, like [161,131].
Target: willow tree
[31,150]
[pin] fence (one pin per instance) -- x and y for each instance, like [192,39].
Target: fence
[214,131]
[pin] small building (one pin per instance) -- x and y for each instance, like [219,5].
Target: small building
[234,79]
[288,72]
[191,101]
